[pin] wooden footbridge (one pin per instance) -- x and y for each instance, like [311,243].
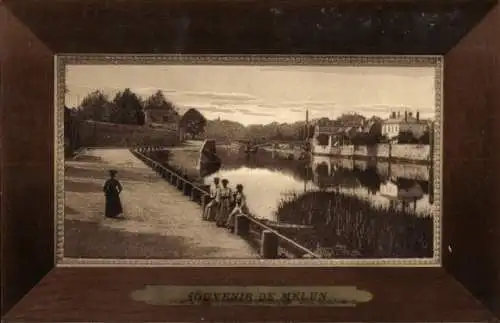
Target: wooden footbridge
[271,243]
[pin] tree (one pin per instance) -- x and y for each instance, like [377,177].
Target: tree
[128,108]
[193,122]
[374,134]
[425,139]
[324,121]
[351,119]
[158,101]
[95,106]
[225,130]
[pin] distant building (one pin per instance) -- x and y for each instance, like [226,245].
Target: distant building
[406,122]
[160,116]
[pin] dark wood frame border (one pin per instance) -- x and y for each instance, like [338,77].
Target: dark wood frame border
[471,229]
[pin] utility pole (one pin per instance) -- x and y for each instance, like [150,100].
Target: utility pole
[307,125]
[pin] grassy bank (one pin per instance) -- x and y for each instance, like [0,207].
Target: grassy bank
[180,161]
[350,223]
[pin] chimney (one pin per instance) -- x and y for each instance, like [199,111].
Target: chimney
[418,116]
[393,115]
[406,115]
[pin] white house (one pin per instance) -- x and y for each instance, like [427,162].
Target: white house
[398,123]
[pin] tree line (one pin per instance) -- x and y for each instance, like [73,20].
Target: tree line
[299,130]
[129,108]
[232,130]
[125,108]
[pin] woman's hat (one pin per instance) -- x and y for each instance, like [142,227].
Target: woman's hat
[113,172]
[225,180]
[239,186]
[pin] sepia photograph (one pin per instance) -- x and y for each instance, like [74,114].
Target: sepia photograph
[327,159]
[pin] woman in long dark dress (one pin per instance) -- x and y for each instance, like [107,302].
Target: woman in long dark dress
[112,189]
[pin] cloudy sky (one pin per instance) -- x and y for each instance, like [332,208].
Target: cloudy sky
[260,95]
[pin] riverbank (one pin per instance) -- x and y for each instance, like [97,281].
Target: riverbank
[402,153]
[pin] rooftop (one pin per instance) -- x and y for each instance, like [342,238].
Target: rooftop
[403,119]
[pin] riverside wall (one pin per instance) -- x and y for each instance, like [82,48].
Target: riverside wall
[103,134]
[403,152]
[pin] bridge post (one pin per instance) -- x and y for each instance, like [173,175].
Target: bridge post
[242,225]
[193,194]
[185,187]
[269,245]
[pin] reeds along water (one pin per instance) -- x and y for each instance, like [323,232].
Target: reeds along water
[353,226]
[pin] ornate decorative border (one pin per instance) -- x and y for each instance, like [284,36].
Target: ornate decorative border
[61,61]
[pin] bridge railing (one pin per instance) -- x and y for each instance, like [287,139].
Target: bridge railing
[272,243]
[196,192]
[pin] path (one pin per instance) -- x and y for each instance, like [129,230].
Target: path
[160,221]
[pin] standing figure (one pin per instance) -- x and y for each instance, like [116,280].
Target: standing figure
[112,189]
[224,199]
[240,206]
[208,212]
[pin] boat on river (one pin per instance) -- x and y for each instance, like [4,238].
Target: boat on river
[209,162]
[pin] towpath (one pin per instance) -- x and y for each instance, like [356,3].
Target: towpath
[160,222]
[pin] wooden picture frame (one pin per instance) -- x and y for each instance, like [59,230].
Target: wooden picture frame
[465,288]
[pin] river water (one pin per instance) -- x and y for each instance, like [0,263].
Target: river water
[269,178]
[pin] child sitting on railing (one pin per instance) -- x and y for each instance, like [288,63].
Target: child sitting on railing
[240,207]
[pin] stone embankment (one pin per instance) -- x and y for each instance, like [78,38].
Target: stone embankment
[398,152]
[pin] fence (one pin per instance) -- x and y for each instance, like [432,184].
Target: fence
[271,243]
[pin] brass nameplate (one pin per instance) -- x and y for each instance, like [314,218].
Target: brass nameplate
[168,295]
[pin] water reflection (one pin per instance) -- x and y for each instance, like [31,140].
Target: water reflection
[268,178]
